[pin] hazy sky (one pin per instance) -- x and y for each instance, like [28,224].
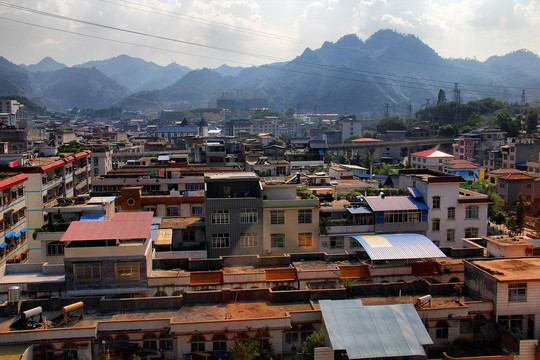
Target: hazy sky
[208,33]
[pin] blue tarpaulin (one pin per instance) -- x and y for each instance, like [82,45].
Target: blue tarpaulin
[3,245]
[10,234]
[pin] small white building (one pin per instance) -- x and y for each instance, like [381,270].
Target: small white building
[429,159]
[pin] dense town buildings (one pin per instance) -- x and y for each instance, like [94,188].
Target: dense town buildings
[195,236]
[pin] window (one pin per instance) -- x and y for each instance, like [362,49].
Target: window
[305,239]
[436,202]
[450,235]
[69,351]
[127,270]
[451,213]
[220,240]
[304,216]
[172,210]
[249,216]
[165,342]
[55,248]
[150,342]
[264,340]
[196,210]
[305,331]
[471,212]
[87,271]
[436,225]
[441,330]
[353,243]
[192,187]
[400,216]
[517,292]
[277,240]
[220,216]
[471,232]
[277,217]
[197,343]
[336,242]
[219,342]
[46,350]
[249,239]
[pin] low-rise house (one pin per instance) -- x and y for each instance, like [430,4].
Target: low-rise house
[512,285]
[429,159]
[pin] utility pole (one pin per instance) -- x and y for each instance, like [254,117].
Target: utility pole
[428,109]
[386,110]
[523,97]
[457,100]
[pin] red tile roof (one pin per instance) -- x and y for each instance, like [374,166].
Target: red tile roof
[432,153]
[516,177]
[12,181]
[123,226]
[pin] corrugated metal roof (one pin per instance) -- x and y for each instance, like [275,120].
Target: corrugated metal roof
[398,246]
[386,330]
[92,217]
[388,203]
[124,226]
[359,210]
[164,158]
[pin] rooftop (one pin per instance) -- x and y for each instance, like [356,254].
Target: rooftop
[505,240]
[124,226]
[432,154]
[524,269]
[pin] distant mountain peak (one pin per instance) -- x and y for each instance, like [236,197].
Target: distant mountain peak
[46,64]
[351,41]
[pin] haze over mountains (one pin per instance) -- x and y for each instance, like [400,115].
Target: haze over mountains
[348,75]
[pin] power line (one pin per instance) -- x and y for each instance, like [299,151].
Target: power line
[203,21]
[375,75]
[222,25]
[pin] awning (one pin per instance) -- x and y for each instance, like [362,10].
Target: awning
[3,245]
[321,152]
[359,210]
[163,237]
[23,230]
[10,234]
[18,234]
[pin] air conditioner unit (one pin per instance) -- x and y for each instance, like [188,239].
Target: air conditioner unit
[268,251]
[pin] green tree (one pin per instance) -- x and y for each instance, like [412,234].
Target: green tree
[520,213]
[245,349]
[391,123]
[314,340]
[516,222]
[342,159]
[328,157]
[351,138]
[499,218]
[324,224]
[348,284]
[441,98]
[447,131]
[369,134]
[537,226]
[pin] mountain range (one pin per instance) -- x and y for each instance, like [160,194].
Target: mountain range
[346,75]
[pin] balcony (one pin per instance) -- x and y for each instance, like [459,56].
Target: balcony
[350,229]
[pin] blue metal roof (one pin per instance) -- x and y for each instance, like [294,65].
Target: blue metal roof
[17,234]
[376,177]
[91,217]
[3,245]
[398,246]
[389,203]
[386,330]
[415,193]
[182,129]
[10,234]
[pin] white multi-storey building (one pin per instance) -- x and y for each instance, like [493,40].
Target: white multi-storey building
[454,213]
